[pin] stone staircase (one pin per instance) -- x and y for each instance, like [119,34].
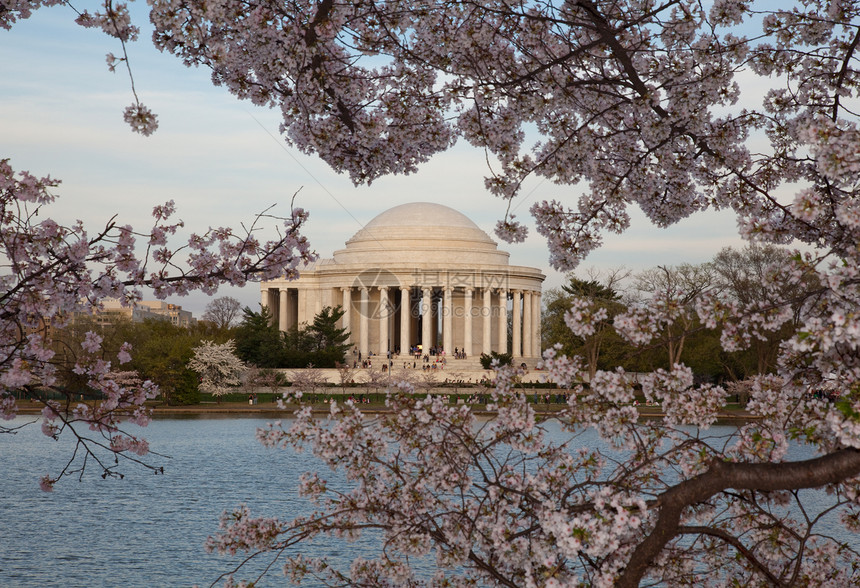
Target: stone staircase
[469,364]
[466,370]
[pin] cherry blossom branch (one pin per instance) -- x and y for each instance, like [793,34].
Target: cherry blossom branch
[812,473]
[55,271]
[843,72]
[738,545]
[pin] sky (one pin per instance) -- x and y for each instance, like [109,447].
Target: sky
[223,161]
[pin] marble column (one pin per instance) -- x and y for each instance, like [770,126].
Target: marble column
[384,314]
[426,319]
[536,319]
[282,310]
[503,321]
[448,321]
[266,303]
[467,322]
[347,312]
[435,312]
[364,309]
[303,307]
[405,319]
[292,308]
[516,335]
[487,312]
[527,324]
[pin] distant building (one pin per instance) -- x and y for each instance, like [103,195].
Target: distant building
[146,309]
[173,312]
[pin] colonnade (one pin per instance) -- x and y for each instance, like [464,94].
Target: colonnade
[397,318]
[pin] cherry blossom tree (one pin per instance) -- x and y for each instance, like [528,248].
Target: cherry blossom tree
[640,103]
[374,378]
[51,273]
[218,367]
[346,375]
[637,104]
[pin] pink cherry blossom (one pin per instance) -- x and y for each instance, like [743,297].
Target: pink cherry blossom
[633,105]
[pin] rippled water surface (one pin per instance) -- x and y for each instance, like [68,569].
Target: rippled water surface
[144,530]
[148,530]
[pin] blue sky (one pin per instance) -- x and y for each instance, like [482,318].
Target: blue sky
[221,160]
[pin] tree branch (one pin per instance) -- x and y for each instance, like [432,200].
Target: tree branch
[812,473]
[737,544]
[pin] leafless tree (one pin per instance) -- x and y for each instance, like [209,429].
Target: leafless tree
[222,312]
[307,380]
[748,276]
[344,371]
[256,378]
[375,378]
[678,287]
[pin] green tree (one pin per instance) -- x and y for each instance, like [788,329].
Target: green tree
[599,345]
[324,331]
[326,336]
[296,340]
[553,328]
[322,343]
[66,345]
[703,354]
[591,289]
[503,358]
[161,353]
[258,341]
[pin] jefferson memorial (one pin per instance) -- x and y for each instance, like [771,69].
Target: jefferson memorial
[419,277]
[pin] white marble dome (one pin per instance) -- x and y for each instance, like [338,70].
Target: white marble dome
[421,214]
[421,232]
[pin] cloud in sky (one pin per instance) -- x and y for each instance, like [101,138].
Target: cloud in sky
[222,160]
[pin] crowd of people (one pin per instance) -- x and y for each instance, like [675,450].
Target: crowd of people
[434,359]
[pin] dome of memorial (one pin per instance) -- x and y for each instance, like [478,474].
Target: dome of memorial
[421,232]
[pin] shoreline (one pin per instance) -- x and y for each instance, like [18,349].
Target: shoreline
[238,409]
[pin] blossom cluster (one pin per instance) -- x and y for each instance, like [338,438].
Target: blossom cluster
[52,273]
[218,367]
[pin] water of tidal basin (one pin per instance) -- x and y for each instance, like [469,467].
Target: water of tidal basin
[148,530]
[144,530]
